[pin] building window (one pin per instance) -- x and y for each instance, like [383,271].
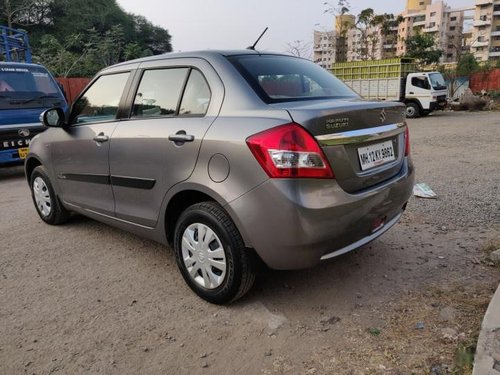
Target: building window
[433,14]
[453,19]
[452,28]
[480,38]
[483,18]
[432,24]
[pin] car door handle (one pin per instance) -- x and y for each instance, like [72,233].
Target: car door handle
[181,137]
[412,93]
[101,138]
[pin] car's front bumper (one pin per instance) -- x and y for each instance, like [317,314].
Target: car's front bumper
[295,223]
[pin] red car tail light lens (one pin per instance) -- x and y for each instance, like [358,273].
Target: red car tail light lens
[289,151]
[407,141]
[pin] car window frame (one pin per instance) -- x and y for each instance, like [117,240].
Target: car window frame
[137,82]
[121,105]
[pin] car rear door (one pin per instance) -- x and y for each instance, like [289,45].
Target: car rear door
[80,152]
[171,109]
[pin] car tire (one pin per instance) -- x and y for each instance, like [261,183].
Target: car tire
[412,110]
[46,202]
[217,267]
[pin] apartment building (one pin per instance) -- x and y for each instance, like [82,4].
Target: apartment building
[437,19]
[324,48]
[486,30]
[446,25]
[371,44]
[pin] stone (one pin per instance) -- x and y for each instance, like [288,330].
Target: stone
[447,314]
[495,256]
[449,334]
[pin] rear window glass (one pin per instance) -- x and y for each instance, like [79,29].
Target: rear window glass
[159,92]
[286,78]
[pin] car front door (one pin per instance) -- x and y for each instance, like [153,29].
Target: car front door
[171,110]
[80,155]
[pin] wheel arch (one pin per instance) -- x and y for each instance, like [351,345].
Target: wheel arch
[192,194]
[416,101]
[30,165]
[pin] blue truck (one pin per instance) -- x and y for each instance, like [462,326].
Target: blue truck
[26,90]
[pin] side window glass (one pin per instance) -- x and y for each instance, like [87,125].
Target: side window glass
[196,96]
[159,92]
[100,102]
[420,82]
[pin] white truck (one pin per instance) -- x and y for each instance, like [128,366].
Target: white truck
[395,79]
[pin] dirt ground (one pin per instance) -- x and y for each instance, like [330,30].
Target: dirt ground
[87,298]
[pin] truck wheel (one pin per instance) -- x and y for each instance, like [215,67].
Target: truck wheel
[412,110]
[45,199]
[211,255]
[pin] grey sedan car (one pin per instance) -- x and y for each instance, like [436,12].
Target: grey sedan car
[227,156]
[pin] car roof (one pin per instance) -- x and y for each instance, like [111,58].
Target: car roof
[20,65]
[206,54]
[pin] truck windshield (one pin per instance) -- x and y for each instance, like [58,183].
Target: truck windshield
[437,81]
[286,78]
[24,86]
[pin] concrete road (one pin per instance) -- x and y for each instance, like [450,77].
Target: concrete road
[87,298]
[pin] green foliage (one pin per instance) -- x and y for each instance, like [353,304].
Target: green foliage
[466,65]
[80,37]
[422,47]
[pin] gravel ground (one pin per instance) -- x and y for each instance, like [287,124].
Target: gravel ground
[458,155]
[87,298]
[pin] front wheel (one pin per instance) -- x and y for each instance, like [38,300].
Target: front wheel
[45,199]
[412,110]
[211,255]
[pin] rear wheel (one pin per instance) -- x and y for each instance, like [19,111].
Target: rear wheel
[46,202]
[211,255]
[412,110]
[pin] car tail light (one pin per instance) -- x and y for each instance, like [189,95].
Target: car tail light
[407,141]
[289,151]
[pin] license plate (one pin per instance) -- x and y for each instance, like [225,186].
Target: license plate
[376,155]
[23,152]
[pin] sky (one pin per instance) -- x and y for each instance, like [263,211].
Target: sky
[236,24]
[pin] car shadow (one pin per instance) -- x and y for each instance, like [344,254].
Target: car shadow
[10,173]
[373,270]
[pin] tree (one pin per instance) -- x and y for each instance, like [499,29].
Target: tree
[342,25]
[458,75]
[80,37]
[299,48]
[422,47]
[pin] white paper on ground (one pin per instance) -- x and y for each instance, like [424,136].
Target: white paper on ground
[423,190]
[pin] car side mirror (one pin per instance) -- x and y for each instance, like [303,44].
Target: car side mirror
[53,117]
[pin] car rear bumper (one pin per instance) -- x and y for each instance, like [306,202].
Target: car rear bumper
[295,224]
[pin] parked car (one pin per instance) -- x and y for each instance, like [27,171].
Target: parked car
[226,156]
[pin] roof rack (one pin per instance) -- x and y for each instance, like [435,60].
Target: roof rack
[14,45]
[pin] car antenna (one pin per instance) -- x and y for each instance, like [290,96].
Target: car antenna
[257,41]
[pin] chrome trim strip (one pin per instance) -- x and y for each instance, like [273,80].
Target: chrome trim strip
[364,240]
[20,126]
[361,135]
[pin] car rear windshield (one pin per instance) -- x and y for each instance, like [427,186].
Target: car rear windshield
[27,87]
[286,78]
